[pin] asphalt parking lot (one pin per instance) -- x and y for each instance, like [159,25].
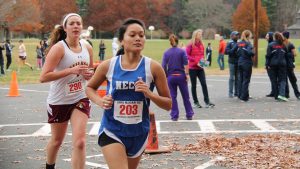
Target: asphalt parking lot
[24,131]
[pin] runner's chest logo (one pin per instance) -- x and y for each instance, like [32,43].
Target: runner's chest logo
[124,85]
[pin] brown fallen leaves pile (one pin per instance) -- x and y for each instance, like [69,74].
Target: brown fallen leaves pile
[271,151]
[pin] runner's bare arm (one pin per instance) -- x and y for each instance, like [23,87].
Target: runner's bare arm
[53,58]
[163,98]
[93,84]
[88,74]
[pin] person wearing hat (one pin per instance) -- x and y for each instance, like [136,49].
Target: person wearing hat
[291,53]
[231,51]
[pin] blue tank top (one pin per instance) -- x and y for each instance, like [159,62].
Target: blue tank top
[129,115]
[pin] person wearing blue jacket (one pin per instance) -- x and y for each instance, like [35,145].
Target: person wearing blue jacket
[276,62]
[269,38]
[291,53]
[230,50]
[245,54]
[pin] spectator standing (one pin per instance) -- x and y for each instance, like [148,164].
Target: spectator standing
[39,55]
[277,63]
[222,46]
[269,38]
[115,46]
[245,54]
[175,65]
[44,48]
[102,50]
[195,53]
[8,49]
[291,54]
[2,47]
[231,51]
[208,52]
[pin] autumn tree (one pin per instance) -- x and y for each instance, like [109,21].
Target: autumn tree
[107,15]
[53,12]
[24,16]
[243,17]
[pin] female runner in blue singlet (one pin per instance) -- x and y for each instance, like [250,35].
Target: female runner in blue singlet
[125,123]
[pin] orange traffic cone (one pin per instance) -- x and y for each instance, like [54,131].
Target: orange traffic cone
[13,91]
[152,145]
[102,89]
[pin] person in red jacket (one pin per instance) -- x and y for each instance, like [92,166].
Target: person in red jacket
[195,53]
[222,46]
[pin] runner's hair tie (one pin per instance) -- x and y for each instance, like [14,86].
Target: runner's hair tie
[68,16]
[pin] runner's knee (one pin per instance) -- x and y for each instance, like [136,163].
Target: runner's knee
[79,143]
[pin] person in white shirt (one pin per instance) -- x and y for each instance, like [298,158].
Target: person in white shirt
[68,65]
[115,46]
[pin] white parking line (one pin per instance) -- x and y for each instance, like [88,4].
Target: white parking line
[95,129]
[25,90]
[206,126]
[103,166]
[44,131]
[263,125]
[210,163]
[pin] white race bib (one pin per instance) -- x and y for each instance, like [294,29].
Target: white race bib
[128,112]
[74,86]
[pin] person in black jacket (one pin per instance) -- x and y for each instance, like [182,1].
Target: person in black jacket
[231,49]
[208,52]
[291,53]
[276,62]
[8,49]
[2,60]
[269,38]
[245,54]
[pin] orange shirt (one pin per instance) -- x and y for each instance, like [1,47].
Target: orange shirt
[222,46]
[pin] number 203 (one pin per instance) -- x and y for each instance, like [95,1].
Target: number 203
[128,109]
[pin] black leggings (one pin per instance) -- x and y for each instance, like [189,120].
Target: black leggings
[200,74]
[8,61]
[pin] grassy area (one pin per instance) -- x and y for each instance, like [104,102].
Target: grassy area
[153,49]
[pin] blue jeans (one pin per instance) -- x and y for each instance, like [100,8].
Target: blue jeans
[233,79]
[221,61]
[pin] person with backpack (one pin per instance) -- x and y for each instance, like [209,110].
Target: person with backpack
[245,54]
[291,53]
[276,62]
